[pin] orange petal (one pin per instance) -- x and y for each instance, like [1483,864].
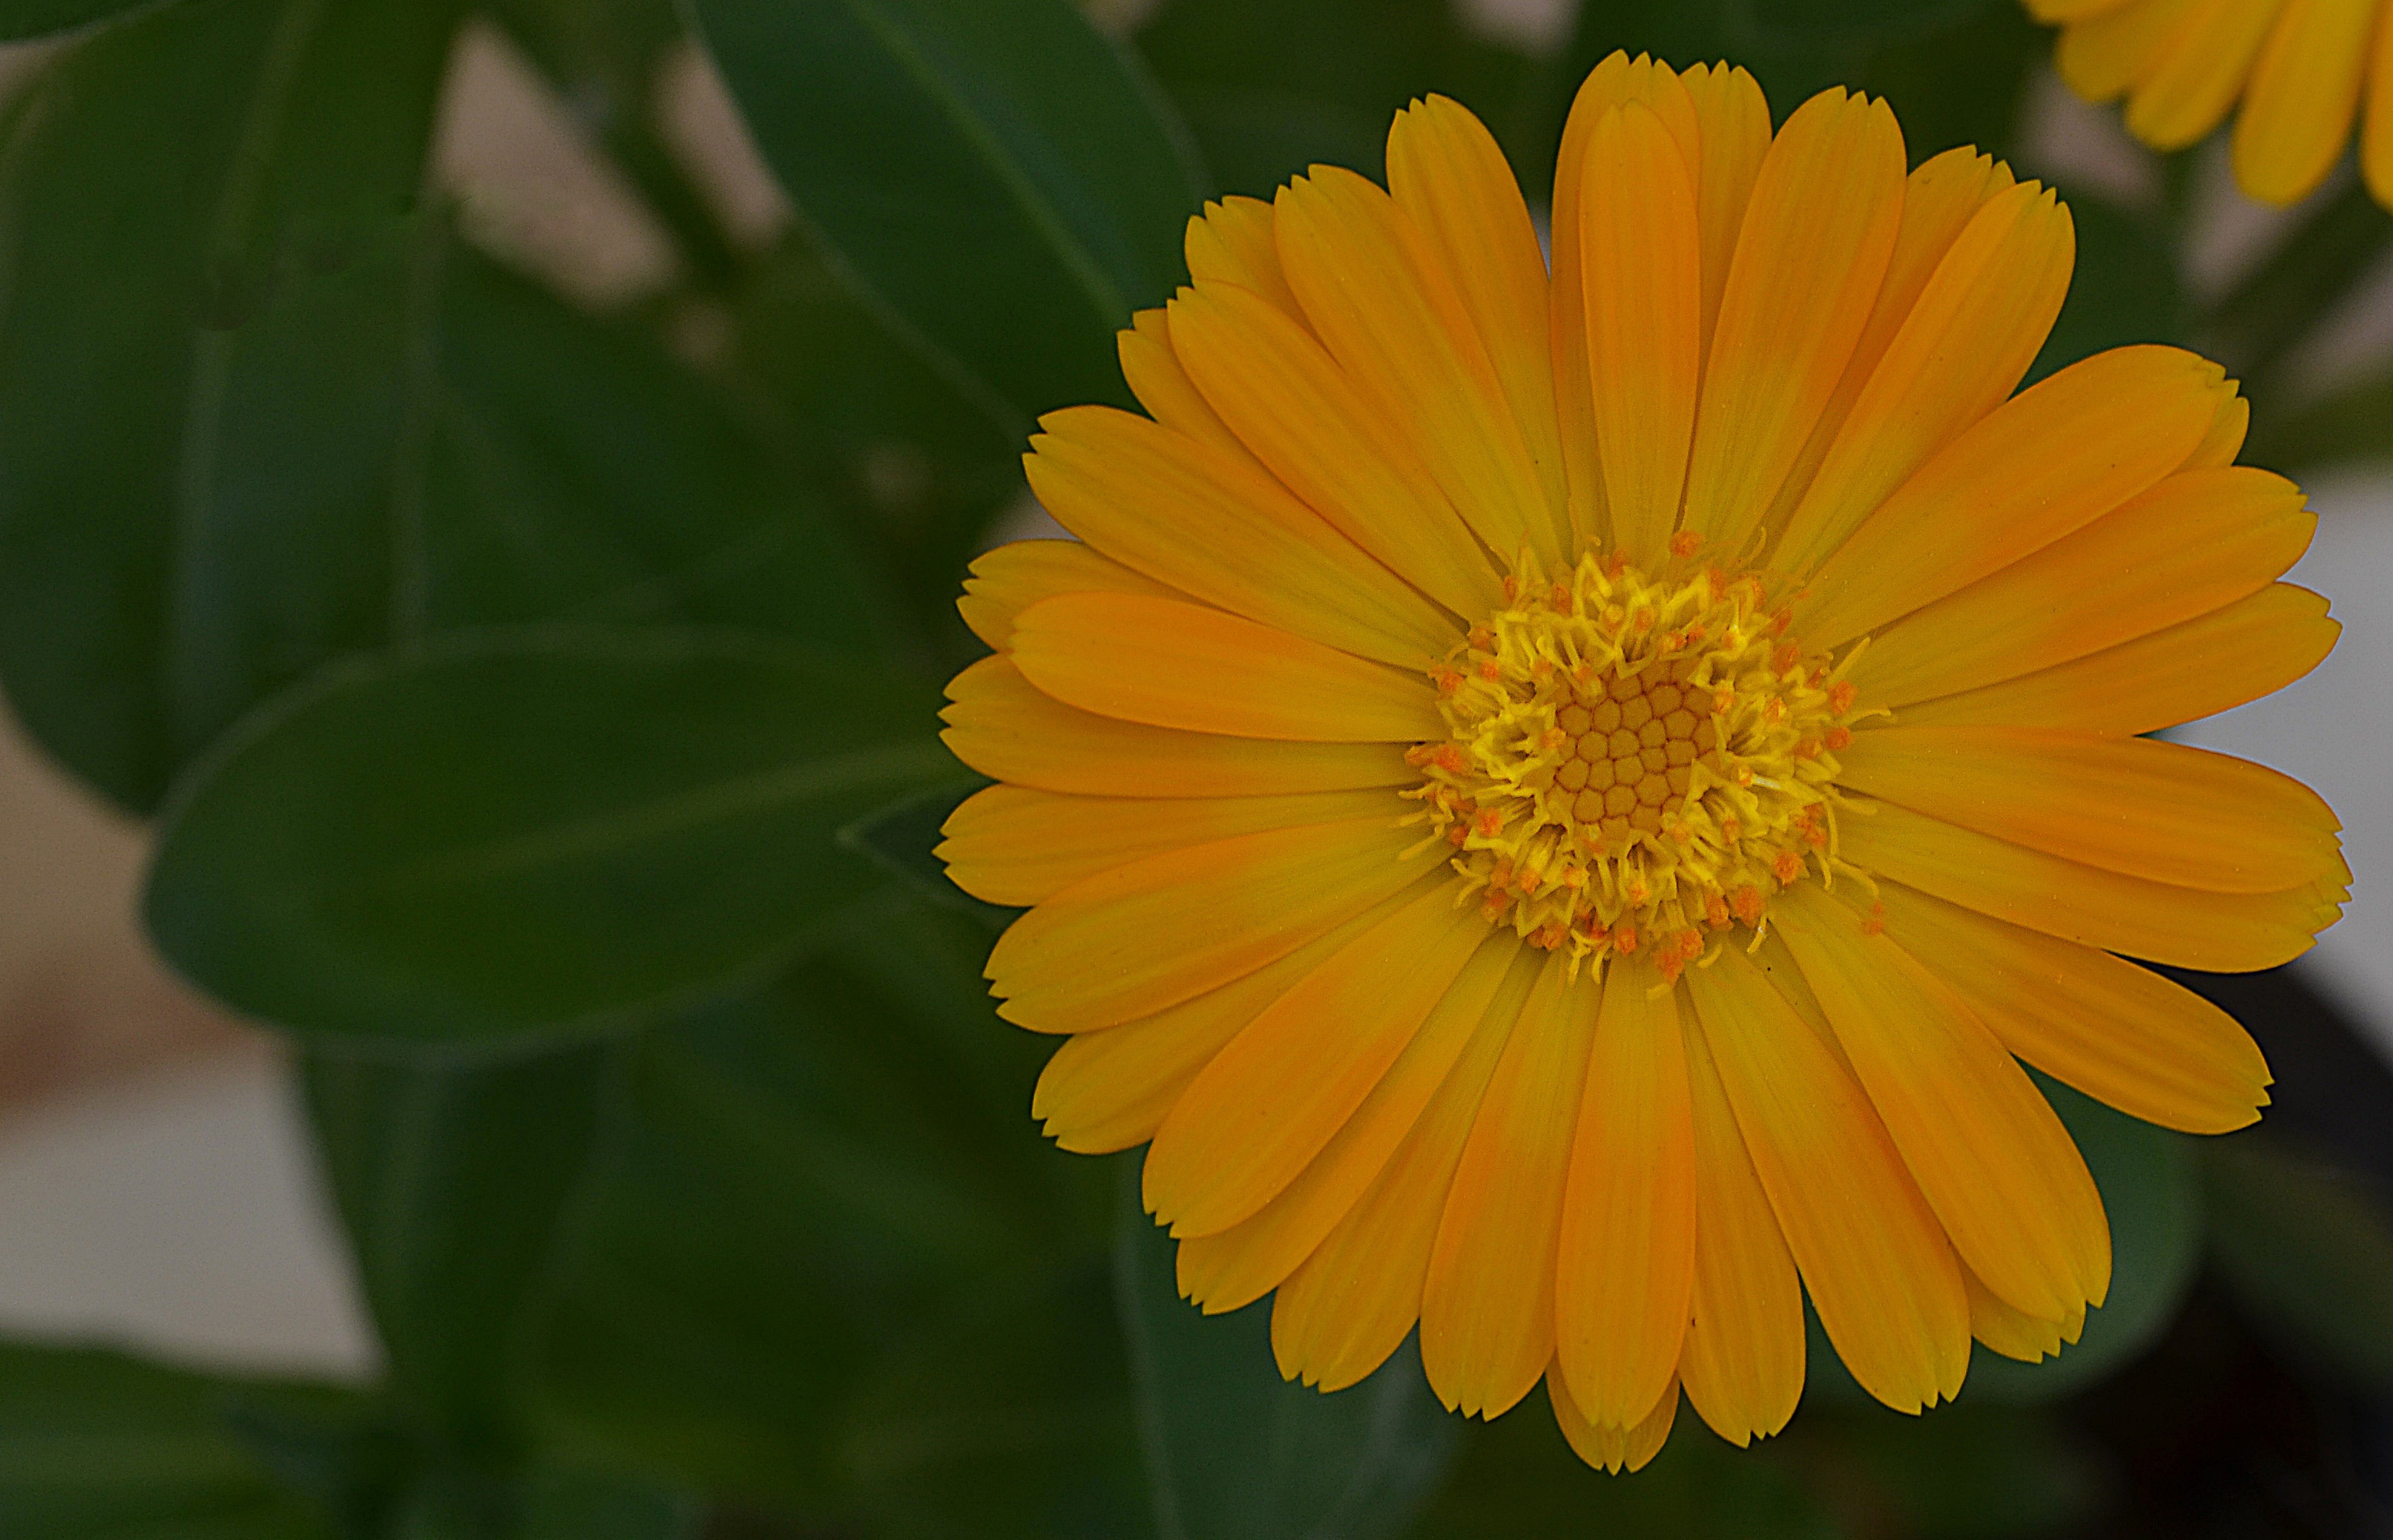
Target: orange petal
[2200,668]
[1280,1092]
[2298,110]
[2048,462]
[2184,927]
[2011,1331]
[1168,664]
[1233,242]
[1011,579]
[1163,387]
[1355,1298]
[1128,942]
[1487,1304]
[1641,291]
[1625,1258]
[2162,811]
[1609,1447]
[2195,77]
[1217,529]
[1006,729]
[2101,56]
[2376,131]
[2121,1033]
[1732,126]
[1813,251]
[1878,1268]
[1019,845]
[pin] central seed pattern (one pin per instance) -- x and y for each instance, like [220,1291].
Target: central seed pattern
[1634,761]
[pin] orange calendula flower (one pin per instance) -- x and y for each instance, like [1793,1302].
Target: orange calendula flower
[2297,66]
[1558,798]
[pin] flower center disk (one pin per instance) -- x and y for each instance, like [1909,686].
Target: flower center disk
[1632,761]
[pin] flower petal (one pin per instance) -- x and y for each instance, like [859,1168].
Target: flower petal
[1163,387]
[2121,1033]
[1168,664]
[1810,260]
[2230,933]
[2297,110]
[1487,1304]
[1233,242]
[1011,579]
[1007,729]
[2194,77]
[1732,126]
[2104,54]
[1130,941]
[1626,1257]
[1611,1448]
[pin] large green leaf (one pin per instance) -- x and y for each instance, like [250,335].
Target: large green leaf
[2308,1250]
[39,17]
[1235,1451]
[203,363]
[805,1182]
[514,834]
[95,1445]
[993,170]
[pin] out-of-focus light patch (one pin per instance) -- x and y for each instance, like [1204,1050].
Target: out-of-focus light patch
[2332,730]
[529,189]
[178,1215]
[697,118]
[2069,141]
[1122,18]
[1532,26]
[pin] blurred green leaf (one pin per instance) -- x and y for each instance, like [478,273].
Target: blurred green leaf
[1516,1477]
[1969,1471]
[1816,22]
[993,170]
[2349,425]
[95,1445]
[1272,87]
[450,1504]
[1234,1451]
[803,1181]
[2318,266]
[2125,289]
[2308,1250]
[901,837]
[188,195]
[2153,1198]
[517,835]
[451,1180]
[21,19]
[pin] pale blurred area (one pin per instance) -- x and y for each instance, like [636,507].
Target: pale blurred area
[155,1187]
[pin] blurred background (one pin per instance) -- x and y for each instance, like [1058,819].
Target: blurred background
[157,1187]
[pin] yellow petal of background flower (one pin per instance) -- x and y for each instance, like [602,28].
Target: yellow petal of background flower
[1006,728]
[1450,179]
[2376,130]
[1640,253]
[1019,845]
[1219,529]
[1291,405]
[2121,1033]
[1487,1305]
[1011,579]
[1355,1298]
[1878,1268]
[1272,1100]
[2297,110]
[1231,1268]
[1609,1447]
[1109,1089]
[1128,942]
[2196,669]
[2232,933]
[1987,1150]
[2050,460]
[2105,54]
[2195,75]
[1975,327]
[1742,1365]
[1210,671]
[2196,543]
[2163,810]
[1626,1255]
[1818,233]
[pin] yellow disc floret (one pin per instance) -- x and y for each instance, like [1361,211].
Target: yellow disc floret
[1633,762]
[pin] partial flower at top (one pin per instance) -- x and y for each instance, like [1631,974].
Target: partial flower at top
[1558,801]
[2296,65]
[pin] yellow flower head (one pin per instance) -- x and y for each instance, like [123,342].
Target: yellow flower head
[2296,65]
[1557,800]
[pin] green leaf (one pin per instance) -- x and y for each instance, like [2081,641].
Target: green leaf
[901,837]
[993,170]
[1235,1453]
[801,1180]
[451,1180]
[1271,86]
[1833,21]
[2351,425]
[518,835]
[2308,1250]
[458,1504]
[2125,289]
[193,193]
[2153,1198]
[95,1445]
[21,19]
[1970,1471]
